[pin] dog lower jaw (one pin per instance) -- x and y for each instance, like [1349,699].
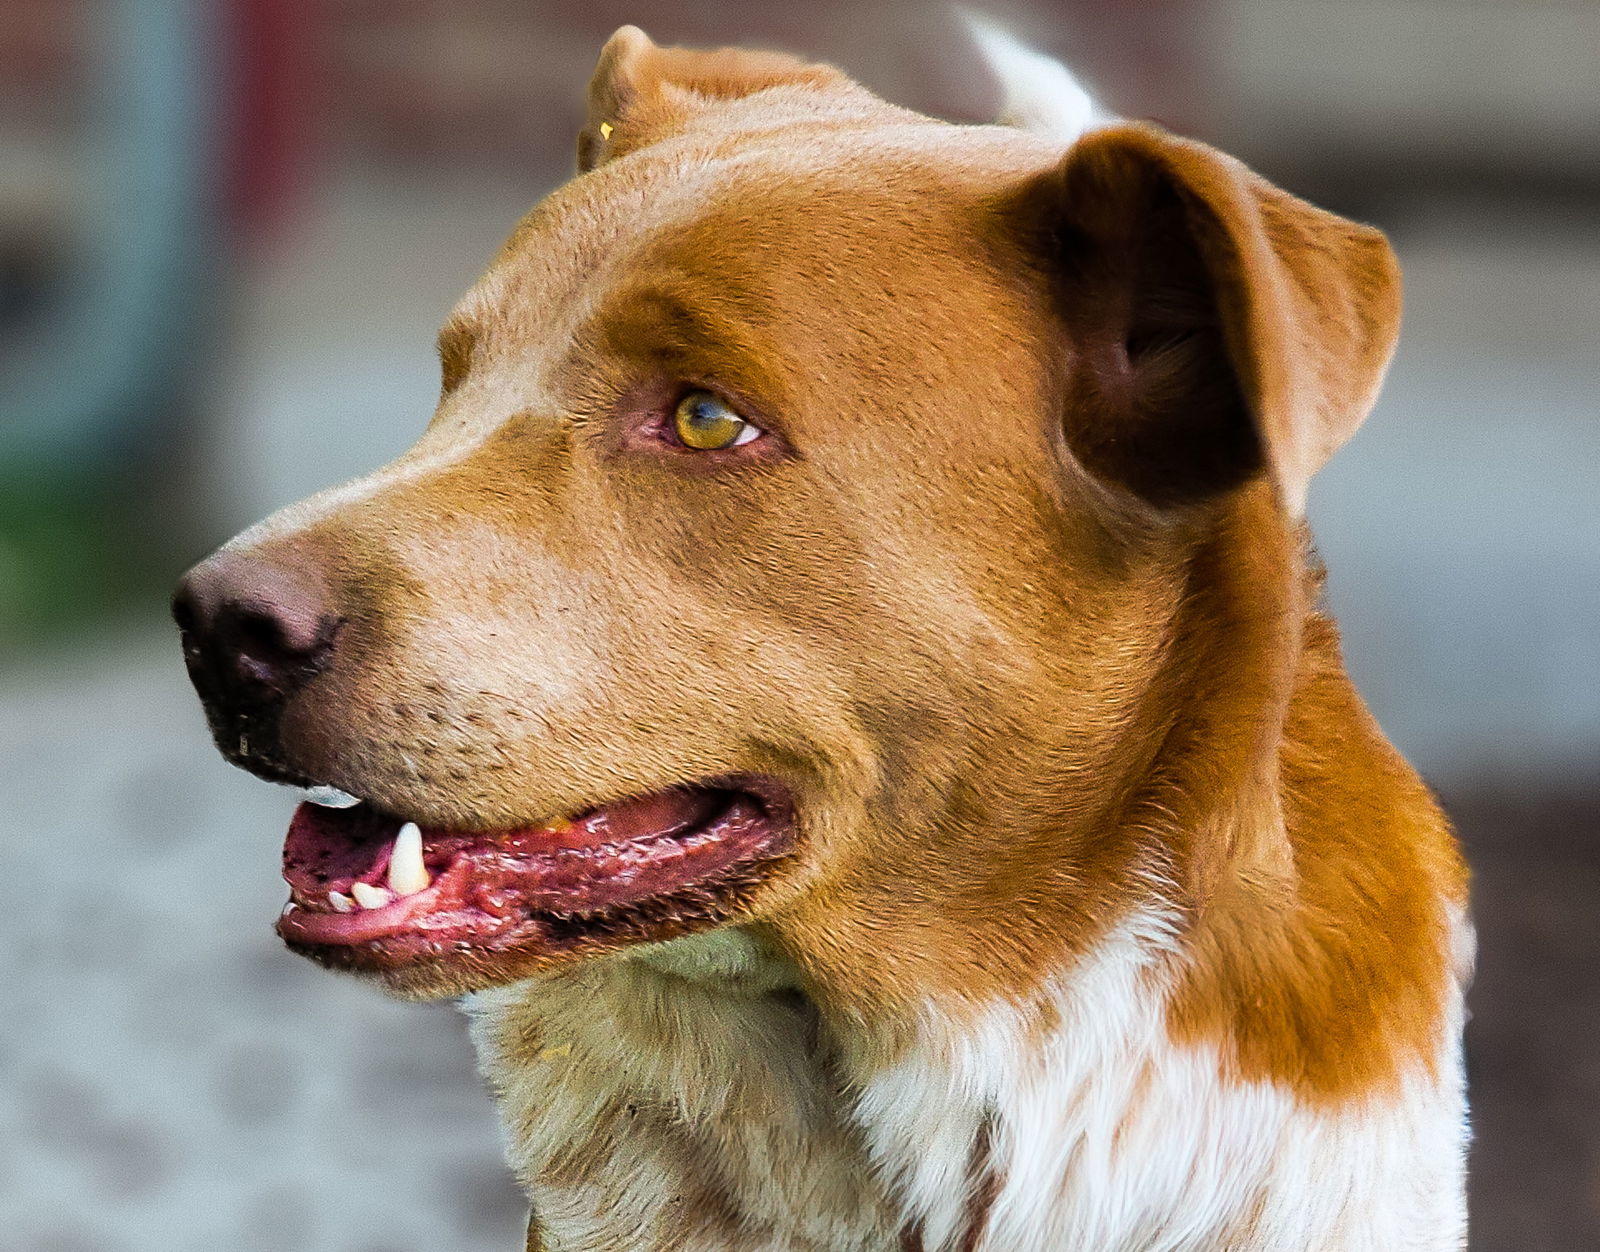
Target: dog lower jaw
[551,942]
[736,959]
[503,906]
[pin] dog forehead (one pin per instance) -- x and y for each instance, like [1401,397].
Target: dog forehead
[709,205]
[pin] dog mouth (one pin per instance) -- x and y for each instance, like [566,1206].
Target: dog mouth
[373,889]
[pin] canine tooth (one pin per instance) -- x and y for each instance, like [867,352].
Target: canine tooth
[407,874]
[331,798]
[370,897]
[341,902]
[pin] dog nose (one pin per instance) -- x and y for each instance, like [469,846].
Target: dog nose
[253,631]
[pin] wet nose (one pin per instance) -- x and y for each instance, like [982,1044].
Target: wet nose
[253,631]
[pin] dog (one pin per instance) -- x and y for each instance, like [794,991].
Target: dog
[841,688]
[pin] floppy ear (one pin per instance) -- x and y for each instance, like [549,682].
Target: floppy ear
[641,92]
[1219,327]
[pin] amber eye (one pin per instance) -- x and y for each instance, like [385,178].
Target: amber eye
[706,423]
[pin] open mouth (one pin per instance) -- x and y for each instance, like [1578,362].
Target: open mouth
[374,889]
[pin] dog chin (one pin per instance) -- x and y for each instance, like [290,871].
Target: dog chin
[429,911]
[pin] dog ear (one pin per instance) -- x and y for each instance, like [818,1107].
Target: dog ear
[1220,327]
[641,92]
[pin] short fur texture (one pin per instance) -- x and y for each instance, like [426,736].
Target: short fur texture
[1115,922]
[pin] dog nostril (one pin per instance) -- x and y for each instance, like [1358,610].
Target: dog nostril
[272,645]
[263,635]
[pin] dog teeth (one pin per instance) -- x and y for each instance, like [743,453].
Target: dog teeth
[370,897]
[407,874]
[331,798]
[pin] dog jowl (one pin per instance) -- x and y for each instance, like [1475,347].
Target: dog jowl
[841,681]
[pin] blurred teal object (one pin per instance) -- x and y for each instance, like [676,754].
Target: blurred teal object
[84,391]
[98,369]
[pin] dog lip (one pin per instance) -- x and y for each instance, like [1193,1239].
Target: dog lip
[242,747]
[491,889]
[303,921]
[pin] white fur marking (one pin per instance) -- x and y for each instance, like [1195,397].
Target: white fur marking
[1040,93]
[1104,1134]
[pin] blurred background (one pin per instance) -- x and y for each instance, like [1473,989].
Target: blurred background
[228,232]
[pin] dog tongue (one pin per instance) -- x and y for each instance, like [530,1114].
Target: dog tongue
[664,813]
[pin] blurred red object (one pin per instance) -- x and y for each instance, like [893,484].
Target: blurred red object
[269,87]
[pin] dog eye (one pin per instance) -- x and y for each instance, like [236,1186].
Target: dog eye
[706,423]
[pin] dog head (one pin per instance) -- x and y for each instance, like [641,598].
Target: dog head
[807,535]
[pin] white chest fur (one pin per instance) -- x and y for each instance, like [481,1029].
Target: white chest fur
[1104,1134]
[682,1098]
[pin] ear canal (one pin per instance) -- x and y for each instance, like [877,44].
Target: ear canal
[1219,328]
[642,92]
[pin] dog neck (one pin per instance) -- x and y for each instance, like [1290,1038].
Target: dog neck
[692,1092]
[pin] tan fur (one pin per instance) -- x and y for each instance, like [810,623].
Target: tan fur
[1016,599]
[738,1140]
